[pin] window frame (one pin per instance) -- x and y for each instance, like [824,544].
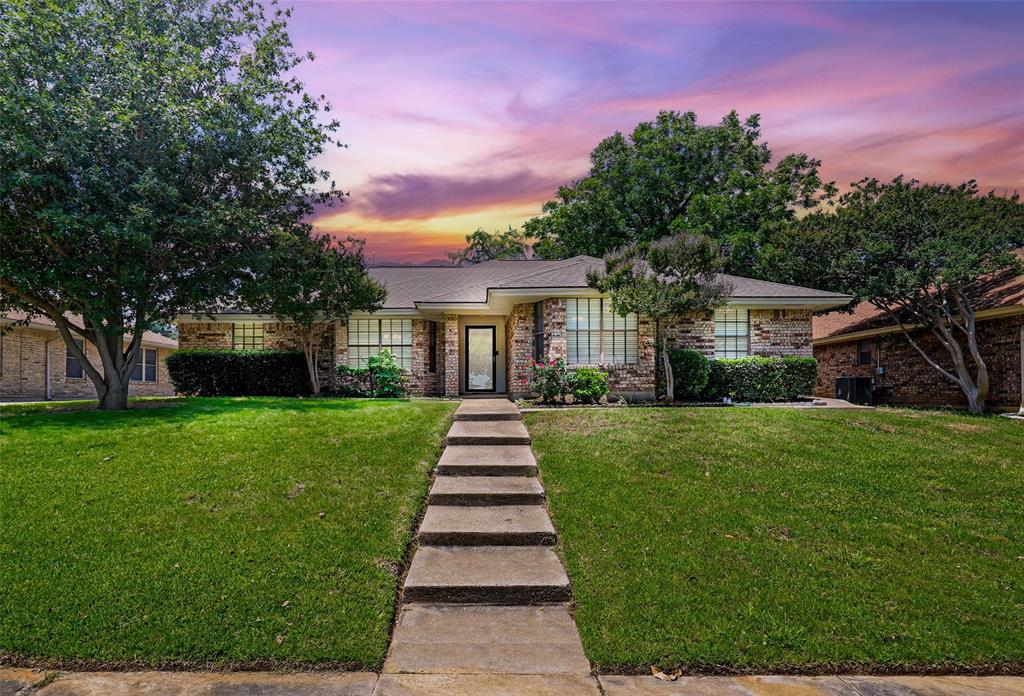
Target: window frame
[70,360]
[432,347]
[250,331]
[142,366]
[861,353]
[538,330]
[620,326]
[731,319]
[404,356]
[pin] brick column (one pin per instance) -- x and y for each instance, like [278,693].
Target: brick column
[340,343]
[451,355]
[554,328]
[519,349]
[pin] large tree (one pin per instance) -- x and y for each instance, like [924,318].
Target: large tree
[149,150]
[672,175]
[668,277]
[920,254]
[484,246]
[312,282]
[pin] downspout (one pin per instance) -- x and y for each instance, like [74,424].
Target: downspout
[49,382]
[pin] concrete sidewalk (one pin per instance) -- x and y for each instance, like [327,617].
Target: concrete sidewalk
[28,682]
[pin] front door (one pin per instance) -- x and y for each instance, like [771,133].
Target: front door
[481,358]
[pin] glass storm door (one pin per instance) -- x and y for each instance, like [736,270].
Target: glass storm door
[481,358]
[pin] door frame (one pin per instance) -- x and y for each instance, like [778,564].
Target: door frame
[494,358]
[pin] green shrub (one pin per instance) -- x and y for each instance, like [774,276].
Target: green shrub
[549,378]
[690,372]
[352,381]
[218,372]
[762,379]
[387,379]
[588,384]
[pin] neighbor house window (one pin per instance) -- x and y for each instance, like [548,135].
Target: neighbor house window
[433,346]
[732,333]
[865,352]
[367,337]
[597,336]
[72,365]
[247,336]
[538,331]
[145,368]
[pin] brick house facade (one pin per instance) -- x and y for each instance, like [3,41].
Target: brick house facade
[34,364]
[476,328]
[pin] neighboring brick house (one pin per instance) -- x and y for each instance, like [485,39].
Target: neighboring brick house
[867,344]
[35,364]
[476,329]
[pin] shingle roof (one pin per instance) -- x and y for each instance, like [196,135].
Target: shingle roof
[409,285]
[993,292]
[44,322]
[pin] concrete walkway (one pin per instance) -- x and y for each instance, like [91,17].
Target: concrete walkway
[485,594]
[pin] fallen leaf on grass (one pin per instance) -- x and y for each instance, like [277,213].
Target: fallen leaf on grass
[279,639]
[666,676]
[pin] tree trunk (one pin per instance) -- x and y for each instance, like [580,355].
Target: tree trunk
[114,396]
[666,364]
[311,366]
[112,388]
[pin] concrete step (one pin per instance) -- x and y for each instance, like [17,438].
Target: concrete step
[486,490]
[496,460]
[469,639]
[488,433]
[487,410]
[509,575]
[496,525]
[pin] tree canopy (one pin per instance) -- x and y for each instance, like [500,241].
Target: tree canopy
[672,175]
[311,282]
[484,246]
[149,152]
[667,277]
[918,253]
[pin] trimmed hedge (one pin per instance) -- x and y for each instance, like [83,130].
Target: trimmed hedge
[217,372]
[690,372]
[352,381]
[588,384]
[762,379]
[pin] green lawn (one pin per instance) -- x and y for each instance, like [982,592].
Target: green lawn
[766,539]
[246,531]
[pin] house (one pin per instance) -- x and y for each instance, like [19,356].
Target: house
[35,364]
[476,329]
[867,344]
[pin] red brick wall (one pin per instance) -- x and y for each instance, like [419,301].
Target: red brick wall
[910,381]
[780,332]
[423,382]
[204,334]
[451,355]
[519,349]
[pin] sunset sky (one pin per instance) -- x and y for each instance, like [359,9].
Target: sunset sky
[465,115]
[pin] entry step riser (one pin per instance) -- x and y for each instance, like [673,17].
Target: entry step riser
[482,499]
[485,440]
[483,417]
[487,538]
[487,469]
[494,596]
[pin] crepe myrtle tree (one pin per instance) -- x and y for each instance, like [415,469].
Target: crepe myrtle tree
[673,174]
[149,152]
[312,282]
[919,253]
[671,276]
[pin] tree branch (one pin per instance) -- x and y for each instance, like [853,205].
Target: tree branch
[927,359]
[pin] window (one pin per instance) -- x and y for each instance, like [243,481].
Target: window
[433,346]
[145,368]
[865,352]
[538,331]
[367,337]
[72,365]
[597,336]
[247,336]
[732,333]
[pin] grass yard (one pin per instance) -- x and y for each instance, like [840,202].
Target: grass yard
[773,539]
[254,532]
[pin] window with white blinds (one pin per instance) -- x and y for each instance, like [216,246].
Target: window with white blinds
[597,336]
[732,333]
[367,337]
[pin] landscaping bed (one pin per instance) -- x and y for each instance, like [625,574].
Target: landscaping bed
[744,540]
[255,532]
